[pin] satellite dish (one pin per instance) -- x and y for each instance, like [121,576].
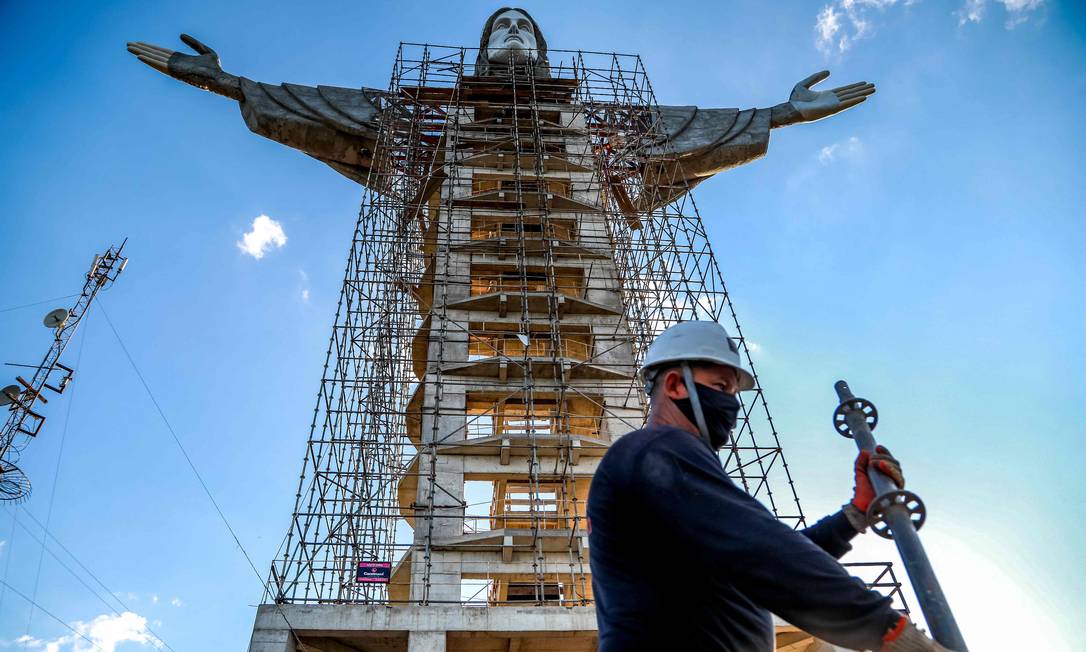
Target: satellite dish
[9,394]
[56,318]
[14,485]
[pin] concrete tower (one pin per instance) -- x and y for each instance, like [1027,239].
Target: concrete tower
[525,235]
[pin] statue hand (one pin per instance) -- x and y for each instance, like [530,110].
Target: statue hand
[814,105]
[202,70]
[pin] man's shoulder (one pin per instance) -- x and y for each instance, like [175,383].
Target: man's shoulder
[632,445]
[624,457]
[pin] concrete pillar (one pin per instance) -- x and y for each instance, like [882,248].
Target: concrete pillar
[272,640]
[426,642]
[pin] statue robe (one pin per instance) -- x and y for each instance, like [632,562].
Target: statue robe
[695,144]
[339,127]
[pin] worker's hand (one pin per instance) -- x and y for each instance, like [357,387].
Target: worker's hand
[881,460]
[905,637]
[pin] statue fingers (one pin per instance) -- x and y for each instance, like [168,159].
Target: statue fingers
[853,94]
[848,87]
[157,64]
[137,48]
[814,79]
[147,55]
[157,48]
[852,88]
[848,104]
[196,45]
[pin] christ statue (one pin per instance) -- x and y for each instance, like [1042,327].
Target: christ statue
[492,354]
[339,126]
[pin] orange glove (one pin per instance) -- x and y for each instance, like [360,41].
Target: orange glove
[905,637]
[881,460]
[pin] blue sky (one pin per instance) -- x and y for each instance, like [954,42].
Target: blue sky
[926,246]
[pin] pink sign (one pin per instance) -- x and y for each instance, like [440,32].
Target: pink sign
[373,572]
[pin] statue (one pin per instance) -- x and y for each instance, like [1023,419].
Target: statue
[339,125]
[499,341]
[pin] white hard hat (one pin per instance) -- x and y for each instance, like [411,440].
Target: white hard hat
[694,341]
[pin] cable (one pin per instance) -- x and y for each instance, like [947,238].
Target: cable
[38,303]
[80,579]
[76,560]
[56,478]
[7,560]
[49,613]
[192,466]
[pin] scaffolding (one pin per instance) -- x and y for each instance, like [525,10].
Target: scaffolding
[522,240]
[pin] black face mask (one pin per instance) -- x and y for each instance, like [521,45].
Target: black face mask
[720,409]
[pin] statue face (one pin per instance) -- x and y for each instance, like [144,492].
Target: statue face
[512,39]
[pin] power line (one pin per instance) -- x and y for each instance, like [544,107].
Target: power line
[56,478]
[93,592]
[76,560]
[180,446]
[48,519]
[38,303]
[7,560]
[192,466]
[49,613]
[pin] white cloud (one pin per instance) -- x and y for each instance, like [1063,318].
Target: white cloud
[827,25]
[1017,11]
[177,602]
[154,599]
[843,22]
[848,149]
[26,641]
[971,12]
[305,284]
[264,235]
[105,631]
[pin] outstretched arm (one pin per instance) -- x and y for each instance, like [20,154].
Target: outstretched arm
[694,144]
[337,126]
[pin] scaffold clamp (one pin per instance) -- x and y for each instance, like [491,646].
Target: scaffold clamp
[881,505]
[870,412]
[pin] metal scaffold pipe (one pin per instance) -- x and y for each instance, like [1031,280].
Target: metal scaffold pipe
[897,514]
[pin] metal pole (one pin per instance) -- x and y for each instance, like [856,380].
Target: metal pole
[898,514]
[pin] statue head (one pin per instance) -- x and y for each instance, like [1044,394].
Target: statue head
[511,37]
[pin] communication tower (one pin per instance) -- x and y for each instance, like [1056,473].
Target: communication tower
[24,397]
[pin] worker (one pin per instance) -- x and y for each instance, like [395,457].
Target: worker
[683,559]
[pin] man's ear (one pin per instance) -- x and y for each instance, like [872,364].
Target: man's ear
[673,386]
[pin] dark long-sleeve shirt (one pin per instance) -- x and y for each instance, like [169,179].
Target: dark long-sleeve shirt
[683,559]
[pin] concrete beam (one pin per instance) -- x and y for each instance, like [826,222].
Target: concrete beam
[344,619]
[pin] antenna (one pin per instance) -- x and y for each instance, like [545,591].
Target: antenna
[9,394]
[14,485]
[56,318]
[24,421]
